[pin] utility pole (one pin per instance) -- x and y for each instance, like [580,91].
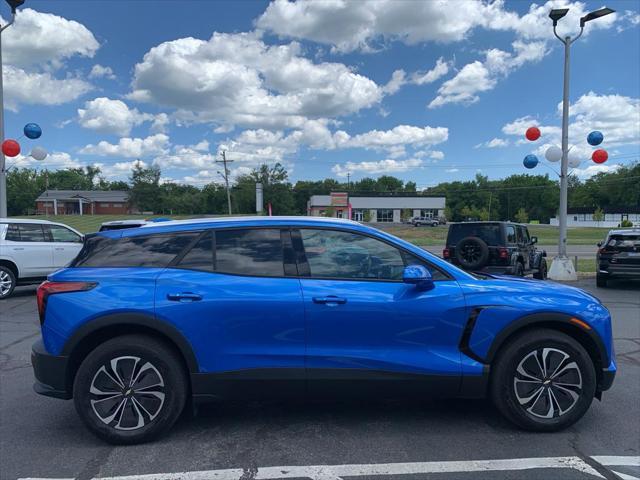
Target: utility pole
[226,176]
[562,267]
[348,180]
[3,170]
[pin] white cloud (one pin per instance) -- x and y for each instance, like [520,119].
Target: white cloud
[366,24]
[110,116]
[119,169]
[398,79]
[493,143]
[452,170]
[629,19]
[236,79]
[375,167]
[400,135]
[439,70]
[37,38]
[477,77]
[592,170]
[54,161]
[33,88]
[160,123]
[99,71]
[130,147]
[616,116]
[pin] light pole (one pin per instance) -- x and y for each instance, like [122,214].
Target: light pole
[562,268]
[14,4]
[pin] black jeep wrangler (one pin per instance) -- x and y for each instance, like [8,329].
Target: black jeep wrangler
[495,247]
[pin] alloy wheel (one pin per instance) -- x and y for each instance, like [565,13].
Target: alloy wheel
[5,283]
[547,383]
[127,393]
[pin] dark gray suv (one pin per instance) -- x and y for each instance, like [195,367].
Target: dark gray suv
[495,247]
[618,256]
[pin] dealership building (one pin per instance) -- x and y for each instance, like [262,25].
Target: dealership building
[83,202]
[376,209]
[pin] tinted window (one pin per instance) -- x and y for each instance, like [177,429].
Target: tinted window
[490,233]
[624,243]
[336,254]
[144,251]
[13,234]
[62,234]
[200,257]
[31,232]
[249,252]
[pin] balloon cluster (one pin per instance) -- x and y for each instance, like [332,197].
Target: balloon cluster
[11,148]
[554,153]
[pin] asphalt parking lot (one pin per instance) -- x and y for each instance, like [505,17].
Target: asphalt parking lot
[43,438]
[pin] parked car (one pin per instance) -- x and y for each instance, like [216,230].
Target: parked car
[122,224]
[618,256]
[428,221]
[495,247]
[145,318]
[32,249]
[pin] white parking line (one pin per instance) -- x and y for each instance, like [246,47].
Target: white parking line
[336,472]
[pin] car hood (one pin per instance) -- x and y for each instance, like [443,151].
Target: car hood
[508,285]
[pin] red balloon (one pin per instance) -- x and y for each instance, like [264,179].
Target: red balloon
[533,133]
[10,148]
[600,156]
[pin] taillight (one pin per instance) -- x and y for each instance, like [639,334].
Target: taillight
[503,253]
[50,288]
[446,253]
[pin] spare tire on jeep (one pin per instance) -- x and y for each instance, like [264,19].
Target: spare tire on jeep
[472,253]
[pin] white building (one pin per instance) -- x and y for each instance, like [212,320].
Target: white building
[613,216]
[375,209]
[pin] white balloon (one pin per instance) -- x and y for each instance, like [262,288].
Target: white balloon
[574,162]
[553,154]
[39,153]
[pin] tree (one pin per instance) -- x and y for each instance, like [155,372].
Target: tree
[145,191]
[522,216]
[598,215]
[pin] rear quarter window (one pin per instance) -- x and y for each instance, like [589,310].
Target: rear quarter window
[140,251]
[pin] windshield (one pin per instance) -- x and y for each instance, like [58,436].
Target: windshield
[490,233]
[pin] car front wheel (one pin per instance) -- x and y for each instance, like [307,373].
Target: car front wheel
[130,389]
[543,380]
[7,282]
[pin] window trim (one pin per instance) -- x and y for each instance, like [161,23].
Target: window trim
[403,252]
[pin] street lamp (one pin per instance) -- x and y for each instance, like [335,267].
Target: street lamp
[562,268]
[14,4]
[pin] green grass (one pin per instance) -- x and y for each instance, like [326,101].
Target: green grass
[547,235]
[586,265]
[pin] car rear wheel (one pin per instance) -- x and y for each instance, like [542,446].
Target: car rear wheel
[7,282]
[601,281]
[543,380]
[130,389]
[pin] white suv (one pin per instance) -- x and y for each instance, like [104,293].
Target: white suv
[32,249]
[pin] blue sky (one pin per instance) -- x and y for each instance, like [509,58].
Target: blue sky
[425,91]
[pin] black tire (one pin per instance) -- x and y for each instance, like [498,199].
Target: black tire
[96,374]
[507,391]
[541,274]
[601,281]
[7,282]
[472,253]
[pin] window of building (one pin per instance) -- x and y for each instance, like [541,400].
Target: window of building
[104,205]
[385,215]
[429,213]
[140,251]
[249,252]
[200,257]
[358,215]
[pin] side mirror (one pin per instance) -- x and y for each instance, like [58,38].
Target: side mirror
[534,240]
[419,276]
[599,244]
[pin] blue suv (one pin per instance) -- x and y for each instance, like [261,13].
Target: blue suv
[148,319]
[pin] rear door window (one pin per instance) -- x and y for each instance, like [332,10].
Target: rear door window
[140,251]
[28,232]
[200,256]
[255,252]
[511,234]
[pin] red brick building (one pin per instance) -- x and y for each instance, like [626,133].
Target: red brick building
[83,202]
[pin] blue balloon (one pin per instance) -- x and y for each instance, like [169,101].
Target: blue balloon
[595,138]
[32,131]
[530,161]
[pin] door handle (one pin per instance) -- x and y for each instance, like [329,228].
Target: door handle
[18,248]
[184,296]
[59,248]
[330,300]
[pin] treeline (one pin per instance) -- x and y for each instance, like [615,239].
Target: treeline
[517,197]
